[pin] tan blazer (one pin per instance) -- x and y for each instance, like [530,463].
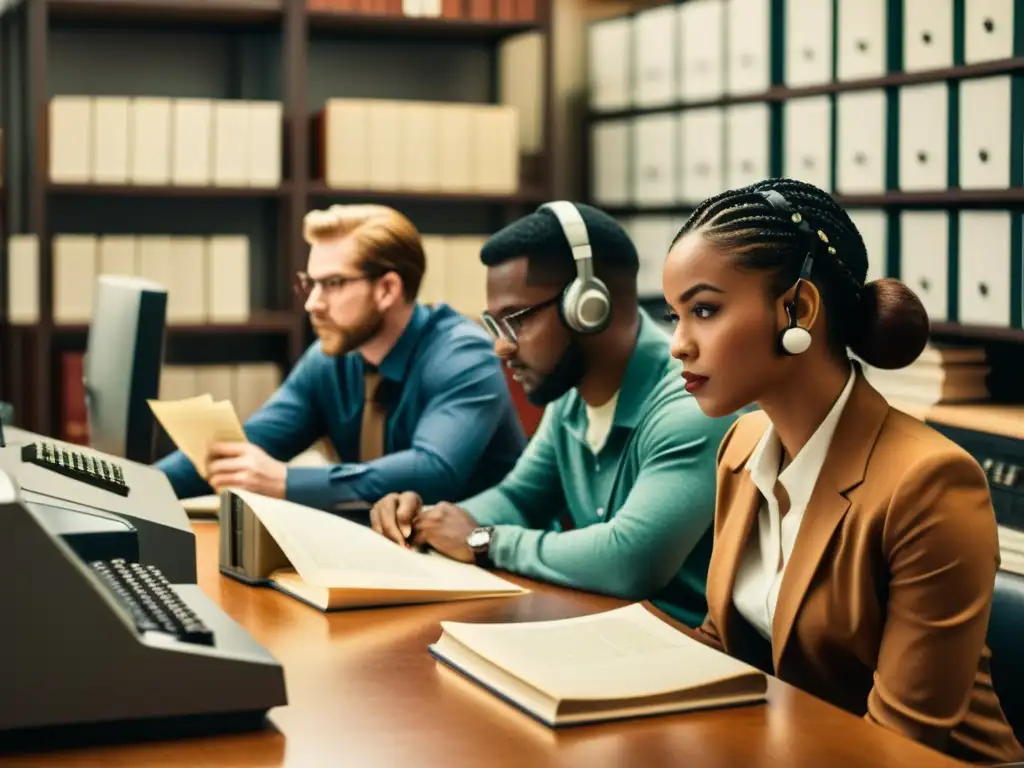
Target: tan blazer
[884,605]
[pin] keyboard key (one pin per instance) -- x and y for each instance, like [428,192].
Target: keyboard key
[150,600]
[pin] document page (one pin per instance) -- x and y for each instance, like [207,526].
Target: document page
[624,653]
[196,422]
[329,551]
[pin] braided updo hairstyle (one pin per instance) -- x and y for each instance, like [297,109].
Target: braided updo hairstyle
[882,322]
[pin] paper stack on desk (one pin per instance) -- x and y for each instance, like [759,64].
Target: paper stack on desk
[197,422]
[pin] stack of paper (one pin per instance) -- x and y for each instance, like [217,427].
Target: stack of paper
[194,424]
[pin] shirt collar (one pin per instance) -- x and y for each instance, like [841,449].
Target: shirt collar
[645,368]
[396,361]
[800,477]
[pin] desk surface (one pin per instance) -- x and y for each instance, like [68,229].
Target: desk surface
[364,692]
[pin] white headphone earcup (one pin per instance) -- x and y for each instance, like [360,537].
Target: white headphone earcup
[796,340]
[586,306]
[592,307]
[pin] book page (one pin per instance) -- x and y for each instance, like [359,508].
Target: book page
[330,551]
[624,653]
[196,422]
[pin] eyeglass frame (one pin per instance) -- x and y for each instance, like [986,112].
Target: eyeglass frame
[339,281]
[502,327]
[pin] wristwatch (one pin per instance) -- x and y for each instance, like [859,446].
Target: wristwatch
[479,540]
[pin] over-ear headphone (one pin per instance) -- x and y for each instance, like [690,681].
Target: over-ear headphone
[794,340]
[586,305]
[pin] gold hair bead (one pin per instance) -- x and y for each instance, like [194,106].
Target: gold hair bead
[832,250]
[823,236]
[797,218]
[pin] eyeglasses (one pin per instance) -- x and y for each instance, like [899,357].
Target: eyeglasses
[507,326]
[304,284]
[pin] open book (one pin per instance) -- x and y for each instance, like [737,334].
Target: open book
[196,422]
[331,563]
[617,664]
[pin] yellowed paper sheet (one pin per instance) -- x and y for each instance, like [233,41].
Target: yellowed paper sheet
[197,422]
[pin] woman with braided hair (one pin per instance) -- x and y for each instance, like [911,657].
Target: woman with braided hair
[855,547]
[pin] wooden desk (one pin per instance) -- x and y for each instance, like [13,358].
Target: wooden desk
[363,691]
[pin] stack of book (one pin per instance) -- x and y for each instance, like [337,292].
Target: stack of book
[1011,549]
[159,141]
[423,146]
[207,278]
[942,374]
[477,10]
[455,275]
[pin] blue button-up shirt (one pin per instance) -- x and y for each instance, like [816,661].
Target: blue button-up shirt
[451,431]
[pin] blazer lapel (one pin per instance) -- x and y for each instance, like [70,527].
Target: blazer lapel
[844,469]
[731,537]
[728,549]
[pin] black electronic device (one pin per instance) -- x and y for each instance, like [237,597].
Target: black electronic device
[78,465]
[112,649]
[148,597]
[91,534]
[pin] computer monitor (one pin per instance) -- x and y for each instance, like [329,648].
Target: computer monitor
[124,352]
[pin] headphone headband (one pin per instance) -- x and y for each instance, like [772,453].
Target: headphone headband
[586,304]
[778,201]
[575,230]
[794,340]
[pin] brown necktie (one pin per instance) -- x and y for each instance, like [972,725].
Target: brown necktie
[371,436]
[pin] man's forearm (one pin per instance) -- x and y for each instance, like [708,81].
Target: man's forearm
[416,470]
[494,507]
[182,474]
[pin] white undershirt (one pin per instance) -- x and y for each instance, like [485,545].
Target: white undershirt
[599,423]
[759,577]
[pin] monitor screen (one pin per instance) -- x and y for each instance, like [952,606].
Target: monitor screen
[123,356]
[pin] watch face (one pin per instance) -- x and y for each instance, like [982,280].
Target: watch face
[478,538]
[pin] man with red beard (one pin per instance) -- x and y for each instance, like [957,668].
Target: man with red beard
[410,396]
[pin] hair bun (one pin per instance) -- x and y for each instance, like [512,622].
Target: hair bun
[891,328]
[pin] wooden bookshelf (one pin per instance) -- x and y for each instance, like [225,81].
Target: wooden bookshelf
[258,323]
[945,198]
[367,26]
[780,93]
[398,196]
[134,190]
[28,354]
[159,11]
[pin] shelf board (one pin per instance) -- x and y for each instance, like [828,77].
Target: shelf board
[157,11]
[981,332]
[120,190]
[417,27]
[523,196]
[783,93]
[260,323]
[943,197]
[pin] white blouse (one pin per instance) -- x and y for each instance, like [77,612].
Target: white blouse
[761,570]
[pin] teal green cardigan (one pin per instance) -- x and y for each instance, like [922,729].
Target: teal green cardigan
[642,508]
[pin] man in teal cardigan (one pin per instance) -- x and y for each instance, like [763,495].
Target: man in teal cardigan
[615,493]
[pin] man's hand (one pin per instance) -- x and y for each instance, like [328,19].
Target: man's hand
[445,527]
[392,516]
[243,465]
